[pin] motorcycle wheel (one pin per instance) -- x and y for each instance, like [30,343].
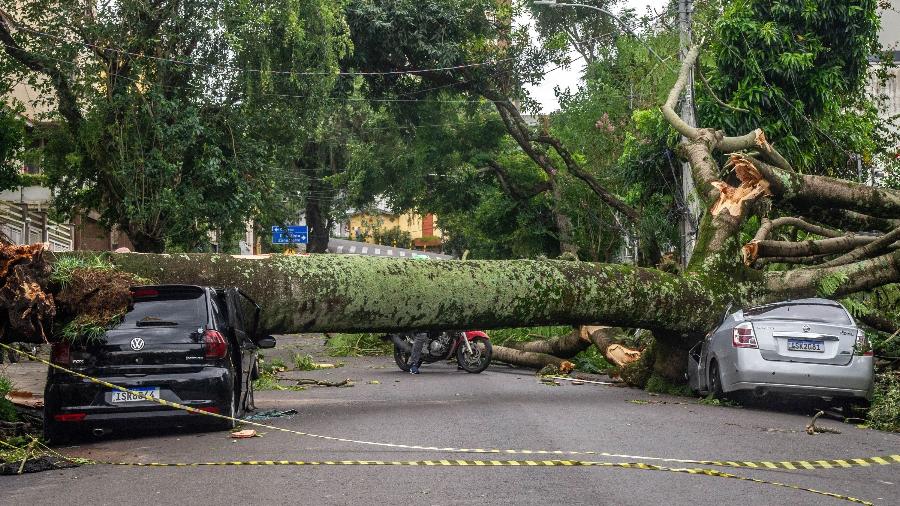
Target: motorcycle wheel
[401,358]
[480,358]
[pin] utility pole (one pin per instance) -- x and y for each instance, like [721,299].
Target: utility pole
[690,213]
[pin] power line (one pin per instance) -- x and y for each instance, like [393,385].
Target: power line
[262,71]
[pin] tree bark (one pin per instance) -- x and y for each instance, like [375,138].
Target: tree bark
[525,358]
[356,293]
[566,346]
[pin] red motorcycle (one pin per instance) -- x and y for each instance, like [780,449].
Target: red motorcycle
[472,349]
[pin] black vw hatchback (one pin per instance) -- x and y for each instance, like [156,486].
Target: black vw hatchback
[193,345]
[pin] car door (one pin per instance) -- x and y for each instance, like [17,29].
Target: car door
[245,349]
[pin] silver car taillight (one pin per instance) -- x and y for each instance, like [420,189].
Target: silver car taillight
[862,344]
[743,336]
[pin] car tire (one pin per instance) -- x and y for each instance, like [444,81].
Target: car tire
[52,432]
[715,381]
[854,408]
[231,410]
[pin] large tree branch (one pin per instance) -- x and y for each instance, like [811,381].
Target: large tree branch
[576,170]
[68,103]
[512,189]
[806,191]
[833,245]
[834,282]
[768,226]
[850,220]
[871,249]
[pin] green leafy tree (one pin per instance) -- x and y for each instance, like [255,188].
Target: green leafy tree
[293,102]
[410,36]
[798,70]
[147,134]
[12,133]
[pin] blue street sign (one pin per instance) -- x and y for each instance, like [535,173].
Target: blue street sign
[296,234]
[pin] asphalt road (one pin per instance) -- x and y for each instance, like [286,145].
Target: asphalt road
[500,408]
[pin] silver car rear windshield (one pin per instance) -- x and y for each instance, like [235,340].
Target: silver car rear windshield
[824,313]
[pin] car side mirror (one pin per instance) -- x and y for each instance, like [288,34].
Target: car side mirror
[266,342]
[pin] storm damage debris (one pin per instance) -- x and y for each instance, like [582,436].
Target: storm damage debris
[40,295]
[29,311]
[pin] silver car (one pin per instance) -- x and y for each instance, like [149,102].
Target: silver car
[810,347]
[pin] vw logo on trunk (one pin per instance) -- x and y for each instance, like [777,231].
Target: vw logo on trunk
[137,344]
[806,328]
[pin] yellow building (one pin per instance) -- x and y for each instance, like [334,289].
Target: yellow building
[387,226]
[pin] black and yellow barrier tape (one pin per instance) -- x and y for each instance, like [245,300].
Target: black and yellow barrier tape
[765,464]
[500,463]
[464,463]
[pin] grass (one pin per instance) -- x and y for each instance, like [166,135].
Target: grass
[7,410]
[885,411]
[64,267]
[709,400]
[357,345]
[86,330]
[658,385]
[592,361]
[521,334]
[304,362]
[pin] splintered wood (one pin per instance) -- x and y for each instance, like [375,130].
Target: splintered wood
[752,185]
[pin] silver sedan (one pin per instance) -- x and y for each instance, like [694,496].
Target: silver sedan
[809,347]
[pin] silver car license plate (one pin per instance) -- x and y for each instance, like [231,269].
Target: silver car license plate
[119,397]
[815,345]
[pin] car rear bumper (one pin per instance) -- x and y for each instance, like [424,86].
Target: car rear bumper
[209,389]
[751,372]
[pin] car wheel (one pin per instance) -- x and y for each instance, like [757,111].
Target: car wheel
[52,432]
[854,408]
[715,381]
[231,411]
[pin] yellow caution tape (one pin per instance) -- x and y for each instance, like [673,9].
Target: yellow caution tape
[790,465]
[462,463]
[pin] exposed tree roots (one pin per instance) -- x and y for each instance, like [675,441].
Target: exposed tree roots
[34,305]
[29,310]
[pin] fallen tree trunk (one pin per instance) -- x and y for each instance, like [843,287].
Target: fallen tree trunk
[357,293]
[566,346]
[527,358]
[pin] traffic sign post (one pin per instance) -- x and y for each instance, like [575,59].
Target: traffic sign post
[294,234]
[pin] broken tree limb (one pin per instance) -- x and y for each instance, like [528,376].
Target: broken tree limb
[768,226]
[833,245]
[528,359]
[566,346]
[871,249]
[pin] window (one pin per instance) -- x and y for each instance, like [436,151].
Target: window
[167,307]
[825,313]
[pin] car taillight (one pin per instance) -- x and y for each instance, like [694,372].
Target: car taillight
[216,345]
[69,417]
[61,354]
[743,336]
[862,344]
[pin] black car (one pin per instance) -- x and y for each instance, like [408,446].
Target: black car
[193,345]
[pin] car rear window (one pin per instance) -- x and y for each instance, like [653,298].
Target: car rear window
[824,313]
[166,307]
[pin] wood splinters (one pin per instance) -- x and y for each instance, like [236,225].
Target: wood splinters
[752,185]
[750,252]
